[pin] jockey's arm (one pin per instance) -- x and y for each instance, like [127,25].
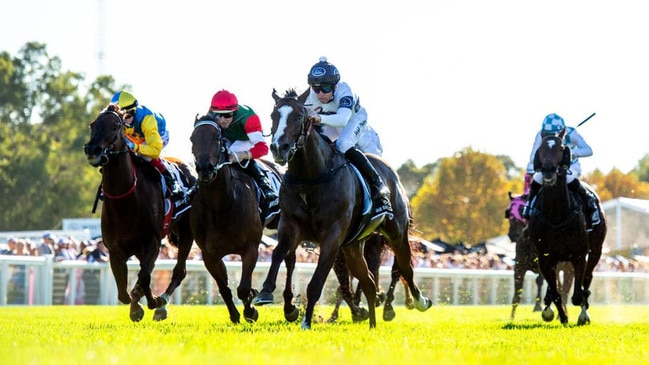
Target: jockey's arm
[255,135]
[580,148]
[340,119]
[153,146]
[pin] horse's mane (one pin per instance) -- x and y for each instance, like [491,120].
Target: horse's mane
[290,93]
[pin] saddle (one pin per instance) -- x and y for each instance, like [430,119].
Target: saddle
[369,221]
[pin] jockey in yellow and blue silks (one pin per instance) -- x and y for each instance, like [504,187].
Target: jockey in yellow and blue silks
[146,133]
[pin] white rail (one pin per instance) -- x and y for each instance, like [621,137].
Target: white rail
[28,280]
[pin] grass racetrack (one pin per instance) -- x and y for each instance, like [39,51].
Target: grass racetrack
[204,335]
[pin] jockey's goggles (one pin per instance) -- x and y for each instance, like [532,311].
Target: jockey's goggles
[221,115]
[324,88]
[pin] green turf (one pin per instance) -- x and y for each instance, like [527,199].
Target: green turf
[204,335]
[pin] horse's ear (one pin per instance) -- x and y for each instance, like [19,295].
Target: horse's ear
[275,96]
[510,195]
[567,158]
[303,96]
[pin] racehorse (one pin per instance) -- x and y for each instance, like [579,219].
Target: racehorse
[374,247]
[322,200]
[134,219]
[557,227]
[527,259]
[225,215]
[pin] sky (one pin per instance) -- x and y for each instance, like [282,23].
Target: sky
[436,77]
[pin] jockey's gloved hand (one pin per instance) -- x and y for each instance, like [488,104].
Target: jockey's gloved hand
[240,156]
[130,144]
[313,117]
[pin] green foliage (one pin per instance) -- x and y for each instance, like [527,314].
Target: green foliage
[44,113]
[442,335]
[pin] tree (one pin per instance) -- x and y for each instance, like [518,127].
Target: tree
[413,177]
[617,184]
[465,200]
[43,125]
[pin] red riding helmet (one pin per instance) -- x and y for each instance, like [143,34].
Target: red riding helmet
[224,102]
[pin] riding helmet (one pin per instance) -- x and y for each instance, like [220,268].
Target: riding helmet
[125,100]
[323,72]
[224,102]
[552,124]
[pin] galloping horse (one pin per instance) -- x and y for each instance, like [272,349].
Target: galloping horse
[225,215]
[527,259]
[557,227]
[133,214]
[323,201]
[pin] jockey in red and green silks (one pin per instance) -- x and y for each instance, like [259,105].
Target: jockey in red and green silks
[146,133]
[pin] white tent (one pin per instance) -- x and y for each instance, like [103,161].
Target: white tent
[627,224]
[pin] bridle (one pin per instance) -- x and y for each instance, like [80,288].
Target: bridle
[305,126]
[108,151]
[221,160]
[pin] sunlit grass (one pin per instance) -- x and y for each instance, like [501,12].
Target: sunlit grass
[204,335]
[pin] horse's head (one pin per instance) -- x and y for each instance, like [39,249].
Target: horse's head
[515,217]
[552,158]
[208,148]
[106,137]
[290,126]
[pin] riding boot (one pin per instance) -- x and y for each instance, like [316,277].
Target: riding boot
[527,209]
[170,179]
[380,192]
[590,203]
[271,201]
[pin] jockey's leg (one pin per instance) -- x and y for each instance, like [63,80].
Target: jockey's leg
[380,192]
[534,189]
[170,179]
[271,201]
[590,204]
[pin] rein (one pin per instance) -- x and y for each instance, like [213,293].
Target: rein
[218,128]
[573,214]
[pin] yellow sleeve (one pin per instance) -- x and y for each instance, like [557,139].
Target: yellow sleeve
[153,145]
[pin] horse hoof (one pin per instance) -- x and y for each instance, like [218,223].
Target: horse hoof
[388,313]
[137,313]
[362,315]
[251,315]
[410,304]
[264,298]
[537,308]
[305,325]
[423,304]
[547,314]
[584,318]
[160,314]
[292,315]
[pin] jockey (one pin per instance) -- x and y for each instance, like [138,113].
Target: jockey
[243,132]
[334,107]
[553,125]
[146,133]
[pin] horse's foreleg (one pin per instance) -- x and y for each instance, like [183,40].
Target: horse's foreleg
[120,272]
[539,293]
[326,260]
[291,313]
[217,269]
[245,292]
[519,276]
[180,270]
[280,253]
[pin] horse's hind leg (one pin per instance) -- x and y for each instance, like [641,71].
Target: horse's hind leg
[403,258]
[342,273]
[358,267]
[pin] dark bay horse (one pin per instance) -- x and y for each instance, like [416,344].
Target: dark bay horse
[133,214]
[225,215]
[322,201]
[527,259]
[557,227]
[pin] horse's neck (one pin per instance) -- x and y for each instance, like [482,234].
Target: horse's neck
[314,159]
[221,190]
[118,175]
[558,197]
